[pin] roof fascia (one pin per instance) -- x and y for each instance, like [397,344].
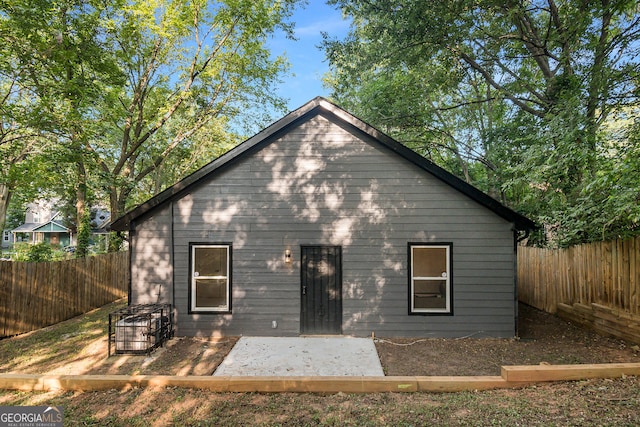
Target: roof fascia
[255,142]
[520,222]
[50,224]
[331,111]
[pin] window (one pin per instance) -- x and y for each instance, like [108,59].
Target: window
[430,279]
[210,278]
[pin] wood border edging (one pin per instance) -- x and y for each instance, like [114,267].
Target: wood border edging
[540,373]
[512,376]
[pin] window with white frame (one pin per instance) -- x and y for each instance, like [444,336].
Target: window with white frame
[210,284]
[430,279]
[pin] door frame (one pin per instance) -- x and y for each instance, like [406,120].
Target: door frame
[306,329]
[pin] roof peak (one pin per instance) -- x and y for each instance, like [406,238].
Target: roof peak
[333,112]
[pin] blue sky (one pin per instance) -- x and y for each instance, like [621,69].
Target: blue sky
[307,61]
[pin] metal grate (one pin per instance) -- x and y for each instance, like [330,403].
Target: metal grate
[139,329]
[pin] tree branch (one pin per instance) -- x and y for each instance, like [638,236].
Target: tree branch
[471,62]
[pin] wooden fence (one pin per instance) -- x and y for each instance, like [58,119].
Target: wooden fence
[597,284]
[35,295]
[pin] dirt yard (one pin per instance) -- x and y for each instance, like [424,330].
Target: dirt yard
[543,338]
[79,346]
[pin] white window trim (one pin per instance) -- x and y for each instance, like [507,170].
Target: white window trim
[412,279]
[192,284]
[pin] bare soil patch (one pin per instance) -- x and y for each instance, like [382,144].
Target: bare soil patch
[79,346]
[543,339]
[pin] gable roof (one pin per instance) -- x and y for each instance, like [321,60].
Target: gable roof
[40,227]
[50,226]
[320,106]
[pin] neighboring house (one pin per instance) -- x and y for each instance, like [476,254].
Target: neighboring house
[321,224]
[7,238]
[43,223]
[101,218]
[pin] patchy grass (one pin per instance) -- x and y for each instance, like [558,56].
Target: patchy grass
[79,346]
[584,403]
[71,345]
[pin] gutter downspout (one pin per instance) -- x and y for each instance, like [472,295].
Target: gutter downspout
[515,278]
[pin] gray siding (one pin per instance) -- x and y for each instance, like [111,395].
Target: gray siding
[320,184]
[151,262]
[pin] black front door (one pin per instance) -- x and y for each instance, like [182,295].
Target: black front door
[321,290]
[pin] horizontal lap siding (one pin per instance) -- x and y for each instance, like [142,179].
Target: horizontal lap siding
[151,263]
[319,184]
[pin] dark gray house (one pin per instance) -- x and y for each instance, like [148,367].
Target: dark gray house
[320,224]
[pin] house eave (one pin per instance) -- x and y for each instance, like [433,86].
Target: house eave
[123,223]
[320,106]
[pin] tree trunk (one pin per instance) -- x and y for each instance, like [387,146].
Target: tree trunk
[82,217]
[5,198]
[117,204]
[597,87]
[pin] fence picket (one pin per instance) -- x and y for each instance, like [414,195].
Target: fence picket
[4,294]
[604,273]
[634,273]
[34,295]
[601,274]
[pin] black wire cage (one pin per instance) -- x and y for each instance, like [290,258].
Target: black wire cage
[139,329]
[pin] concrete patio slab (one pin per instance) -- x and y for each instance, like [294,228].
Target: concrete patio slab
[301,356]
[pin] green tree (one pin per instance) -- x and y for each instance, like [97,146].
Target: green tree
[210,142]
[61,61]
[190,66]
[520,88]
[17,139]
[129,89]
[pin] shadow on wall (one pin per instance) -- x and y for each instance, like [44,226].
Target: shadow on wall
[314,185]
[151,246]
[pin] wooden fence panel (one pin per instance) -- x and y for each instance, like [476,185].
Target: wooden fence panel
[590,283]
[604,273]
[35,295]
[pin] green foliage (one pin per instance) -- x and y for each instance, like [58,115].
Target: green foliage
[191,67]
[114,101]
[513,98]
[84,234]
[38,252]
